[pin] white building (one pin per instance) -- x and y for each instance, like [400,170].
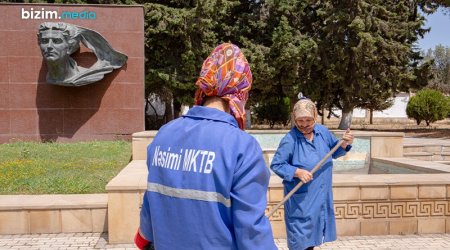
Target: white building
[397,111]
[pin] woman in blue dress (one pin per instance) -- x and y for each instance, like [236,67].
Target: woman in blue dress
[309,213]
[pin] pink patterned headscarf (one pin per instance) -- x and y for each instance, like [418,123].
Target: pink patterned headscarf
[226,74]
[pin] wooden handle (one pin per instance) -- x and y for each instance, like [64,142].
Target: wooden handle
[316,167]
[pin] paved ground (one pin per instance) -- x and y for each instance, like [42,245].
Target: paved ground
[99,241]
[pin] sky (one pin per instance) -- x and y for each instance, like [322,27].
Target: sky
[440,31]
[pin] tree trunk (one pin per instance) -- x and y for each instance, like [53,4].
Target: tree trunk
[293,101]
[169,112]
[323,116]
[176,109]
[371,116]
[346,119]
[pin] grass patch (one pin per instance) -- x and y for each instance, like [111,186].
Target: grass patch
[61,168]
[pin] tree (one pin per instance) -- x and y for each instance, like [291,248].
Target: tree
[292,50]
[179,36]
[428,105]
[343,54]
[440,61]
[366,53]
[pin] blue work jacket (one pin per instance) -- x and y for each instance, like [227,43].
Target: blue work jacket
[309,213]
[207,186]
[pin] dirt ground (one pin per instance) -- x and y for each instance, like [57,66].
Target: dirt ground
[442,133]
[440,129]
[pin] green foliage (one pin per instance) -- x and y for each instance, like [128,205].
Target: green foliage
[60,168]
[78,1]
[365,54]
[439,58]
[428,105]
[274,111]
[343,54]
[179,36]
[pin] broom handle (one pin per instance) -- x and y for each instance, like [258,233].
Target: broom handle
[316,167]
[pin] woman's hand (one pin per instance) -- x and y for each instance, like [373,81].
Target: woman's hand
[348,138]
[304,175]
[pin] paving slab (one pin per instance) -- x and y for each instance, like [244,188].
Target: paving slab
[78,241]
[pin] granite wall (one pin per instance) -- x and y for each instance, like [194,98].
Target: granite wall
[31,109]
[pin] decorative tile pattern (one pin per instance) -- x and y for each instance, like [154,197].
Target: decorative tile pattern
[396,209]
[374,210]
[278,215]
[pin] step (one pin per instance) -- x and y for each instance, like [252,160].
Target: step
[60,213]
[422,148]
[445,156]
[444,162]
[412,148]
[425,156]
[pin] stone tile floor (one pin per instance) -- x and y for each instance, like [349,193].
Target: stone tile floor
[77,241]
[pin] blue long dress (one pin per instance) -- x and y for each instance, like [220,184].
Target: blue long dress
[309,213]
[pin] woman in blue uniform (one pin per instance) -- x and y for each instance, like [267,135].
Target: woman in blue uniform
[309,213]
[207,179]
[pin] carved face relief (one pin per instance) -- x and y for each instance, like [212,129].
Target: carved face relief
[58,41]
[53,45]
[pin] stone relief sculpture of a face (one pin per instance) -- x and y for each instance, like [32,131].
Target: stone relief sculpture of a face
[58,40]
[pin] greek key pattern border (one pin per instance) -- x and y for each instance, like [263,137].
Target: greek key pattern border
[277,215]
[395,209]
[376,210]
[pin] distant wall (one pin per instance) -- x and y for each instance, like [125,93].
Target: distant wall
[31,109]
[397,111]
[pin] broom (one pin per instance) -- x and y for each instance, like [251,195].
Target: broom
[316,167]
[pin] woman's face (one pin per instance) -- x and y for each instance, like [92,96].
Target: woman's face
[305,124]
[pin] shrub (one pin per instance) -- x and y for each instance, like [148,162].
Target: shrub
[428,105]
[273,111]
